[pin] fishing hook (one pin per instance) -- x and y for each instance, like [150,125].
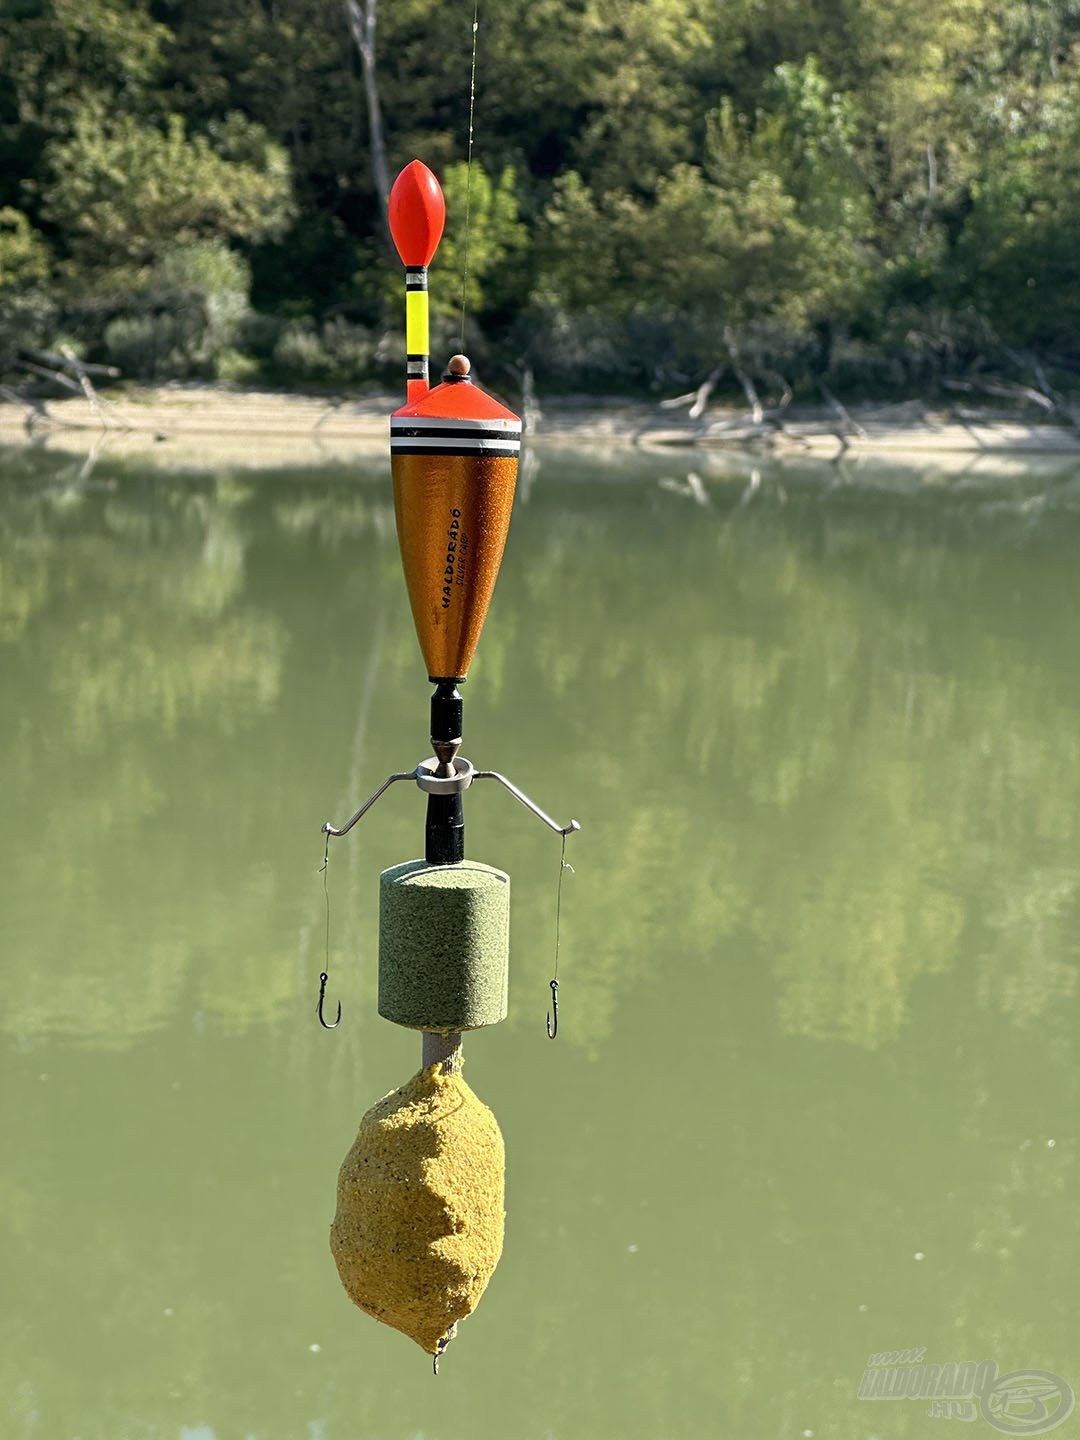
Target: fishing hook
[440,1348]
[553,1017]
[319,1009]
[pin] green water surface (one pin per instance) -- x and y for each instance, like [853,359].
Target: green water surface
[814,1094]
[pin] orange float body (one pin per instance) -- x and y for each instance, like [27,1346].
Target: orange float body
[454,459]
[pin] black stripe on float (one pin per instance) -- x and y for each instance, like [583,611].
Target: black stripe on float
[404,448]
[437,432]
[416,279]
[421,356]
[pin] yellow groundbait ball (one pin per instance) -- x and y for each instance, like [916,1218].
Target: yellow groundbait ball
[419,1224]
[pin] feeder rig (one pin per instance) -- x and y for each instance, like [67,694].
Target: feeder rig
[443,920]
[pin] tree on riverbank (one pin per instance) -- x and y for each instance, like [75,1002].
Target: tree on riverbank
[876,195]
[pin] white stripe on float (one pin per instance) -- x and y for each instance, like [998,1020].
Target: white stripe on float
[452,442]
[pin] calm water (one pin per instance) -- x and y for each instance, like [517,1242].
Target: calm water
[815,1091]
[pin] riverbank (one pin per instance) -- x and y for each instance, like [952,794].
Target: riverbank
[206,424]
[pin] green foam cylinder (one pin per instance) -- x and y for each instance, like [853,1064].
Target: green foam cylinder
[444,945]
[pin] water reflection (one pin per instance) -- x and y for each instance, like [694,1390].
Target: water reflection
[849,729]
[819,975]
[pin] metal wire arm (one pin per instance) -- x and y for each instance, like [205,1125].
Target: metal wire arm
[428,780]
[529,804]
[329,829]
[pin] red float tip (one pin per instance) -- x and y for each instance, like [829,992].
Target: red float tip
[417,214]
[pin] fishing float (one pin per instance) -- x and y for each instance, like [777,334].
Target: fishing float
[418,1228]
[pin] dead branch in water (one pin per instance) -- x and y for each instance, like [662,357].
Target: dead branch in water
[1061,403]
[64,369]
[704,391]
[696,399]
[842,413]
[1002,389]
[103,409]
[66,357]
[762,422]
[757,411]
[56,376]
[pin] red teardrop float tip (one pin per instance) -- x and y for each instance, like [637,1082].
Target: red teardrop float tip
[417,214]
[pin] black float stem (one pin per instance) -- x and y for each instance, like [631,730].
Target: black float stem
[444,830]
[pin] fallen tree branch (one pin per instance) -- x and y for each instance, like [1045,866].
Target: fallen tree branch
[842,413]
[676,402]
[64,368]
[1061,404]
[703,392]
[67,358]
[1002,389]
[757,410]
[696,399]
[786,392]
[56,376]
[85,385]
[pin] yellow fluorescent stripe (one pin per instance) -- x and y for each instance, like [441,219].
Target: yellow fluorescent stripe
[416,322]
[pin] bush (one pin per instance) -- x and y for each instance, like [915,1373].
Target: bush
[28,317]
[147,346]
[121,189]
[24,256]
[335,353]
[187,316]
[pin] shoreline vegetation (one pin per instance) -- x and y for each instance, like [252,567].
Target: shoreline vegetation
[204,423]
[755,206]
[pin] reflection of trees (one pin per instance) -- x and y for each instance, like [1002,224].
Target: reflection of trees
[827,762]
[844,730]
[179,659]
[23,586]
[1029,965]
[829,732]
[104,674]
[133,634]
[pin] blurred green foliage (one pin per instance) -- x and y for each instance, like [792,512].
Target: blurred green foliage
[873,192]
[185,313]
[119,190]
